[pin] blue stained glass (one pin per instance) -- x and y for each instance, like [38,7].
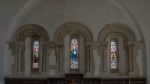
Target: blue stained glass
[74,56]
[74,53]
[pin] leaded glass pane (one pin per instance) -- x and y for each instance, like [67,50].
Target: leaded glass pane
[74,53]
[114,54]
[35,55]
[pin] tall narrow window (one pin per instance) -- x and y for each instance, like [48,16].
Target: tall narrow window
[35,55]
[74,46]
[114,55]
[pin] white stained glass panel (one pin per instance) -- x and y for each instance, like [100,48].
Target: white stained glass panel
[113,55]
[35,55]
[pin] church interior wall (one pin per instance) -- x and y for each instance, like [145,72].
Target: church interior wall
[93,14]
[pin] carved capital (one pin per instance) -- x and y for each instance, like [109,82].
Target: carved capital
[136,44]
[59,44]
[16,44]
[52,44]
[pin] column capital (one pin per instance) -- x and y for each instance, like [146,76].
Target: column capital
[134,44]
[15,44]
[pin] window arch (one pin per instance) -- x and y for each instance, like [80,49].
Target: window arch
[63,37]
[29,48]
[118,50]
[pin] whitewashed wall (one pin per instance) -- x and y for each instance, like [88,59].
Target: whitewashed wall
[95,14]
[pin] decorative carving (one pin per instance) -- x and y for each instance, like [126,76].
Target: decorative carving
[73,28]
[29,31]
[116,28]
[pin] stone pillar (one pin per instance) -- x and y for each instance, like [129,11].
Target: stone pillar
[27,56]
[130,59]
[89,59]
[82,56]
[57,59]
[17,51]
[96,65]
[43,67]
[60,58]
[67,54]
[52,62]
[135,65]
[103,56]
[133,70]
[107,59]
[122,58]
[15,69]
[61,51]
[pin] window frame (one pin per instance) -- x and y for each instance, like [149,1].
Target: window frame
[128,49]
[75,36]
[117,58]
[35,70]
[18,47]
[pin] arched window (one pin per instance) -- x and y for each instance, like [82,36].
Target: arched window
[29,48]
[73,48]
[118,50]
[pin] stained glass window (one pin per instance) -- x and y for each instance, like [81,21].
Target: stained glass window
[74,53]
[35,54]
[114,54]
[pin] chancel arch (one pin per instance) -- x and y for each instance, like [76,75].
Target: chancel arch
[82,37]
[118,50]
[29,49]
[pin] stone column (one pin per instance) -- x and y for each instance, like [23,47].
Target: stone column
[61,51]
[17,51]
[96,64]
[135,65]
[130,59]
[133,70]
[103,56]
[82,56]
[20,61]
[122,58]
[107,59]
[15,54]
[27,56]
[60,58]
[89,59]
[67,54]
[52,62]
[43,66]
